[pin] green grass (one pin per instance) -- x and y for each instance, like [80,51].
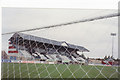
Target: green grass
[13,70]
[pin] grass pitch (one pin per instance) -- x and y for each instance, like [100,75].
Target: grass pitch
[32,70]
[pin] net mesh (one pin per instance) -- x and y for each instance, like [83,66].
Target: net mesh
[32,56]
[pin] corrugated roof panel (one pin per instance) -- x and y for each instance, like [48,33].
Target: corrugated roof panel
[43,40]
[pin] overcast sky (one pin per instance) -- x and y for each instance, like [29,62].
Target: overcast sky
[94,35]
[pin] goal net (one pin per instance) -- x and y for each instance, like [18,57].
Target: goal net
[72,51]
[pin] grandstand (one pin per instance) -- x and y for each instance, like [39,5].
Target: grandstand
[42,49]
[30,56]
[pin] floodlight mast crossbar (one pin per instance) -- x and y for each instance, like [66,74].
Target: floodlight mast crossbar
[68,23]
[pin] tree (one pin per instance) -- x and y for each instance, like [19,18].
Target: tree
[109,57]
[112,57]
[105,57]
